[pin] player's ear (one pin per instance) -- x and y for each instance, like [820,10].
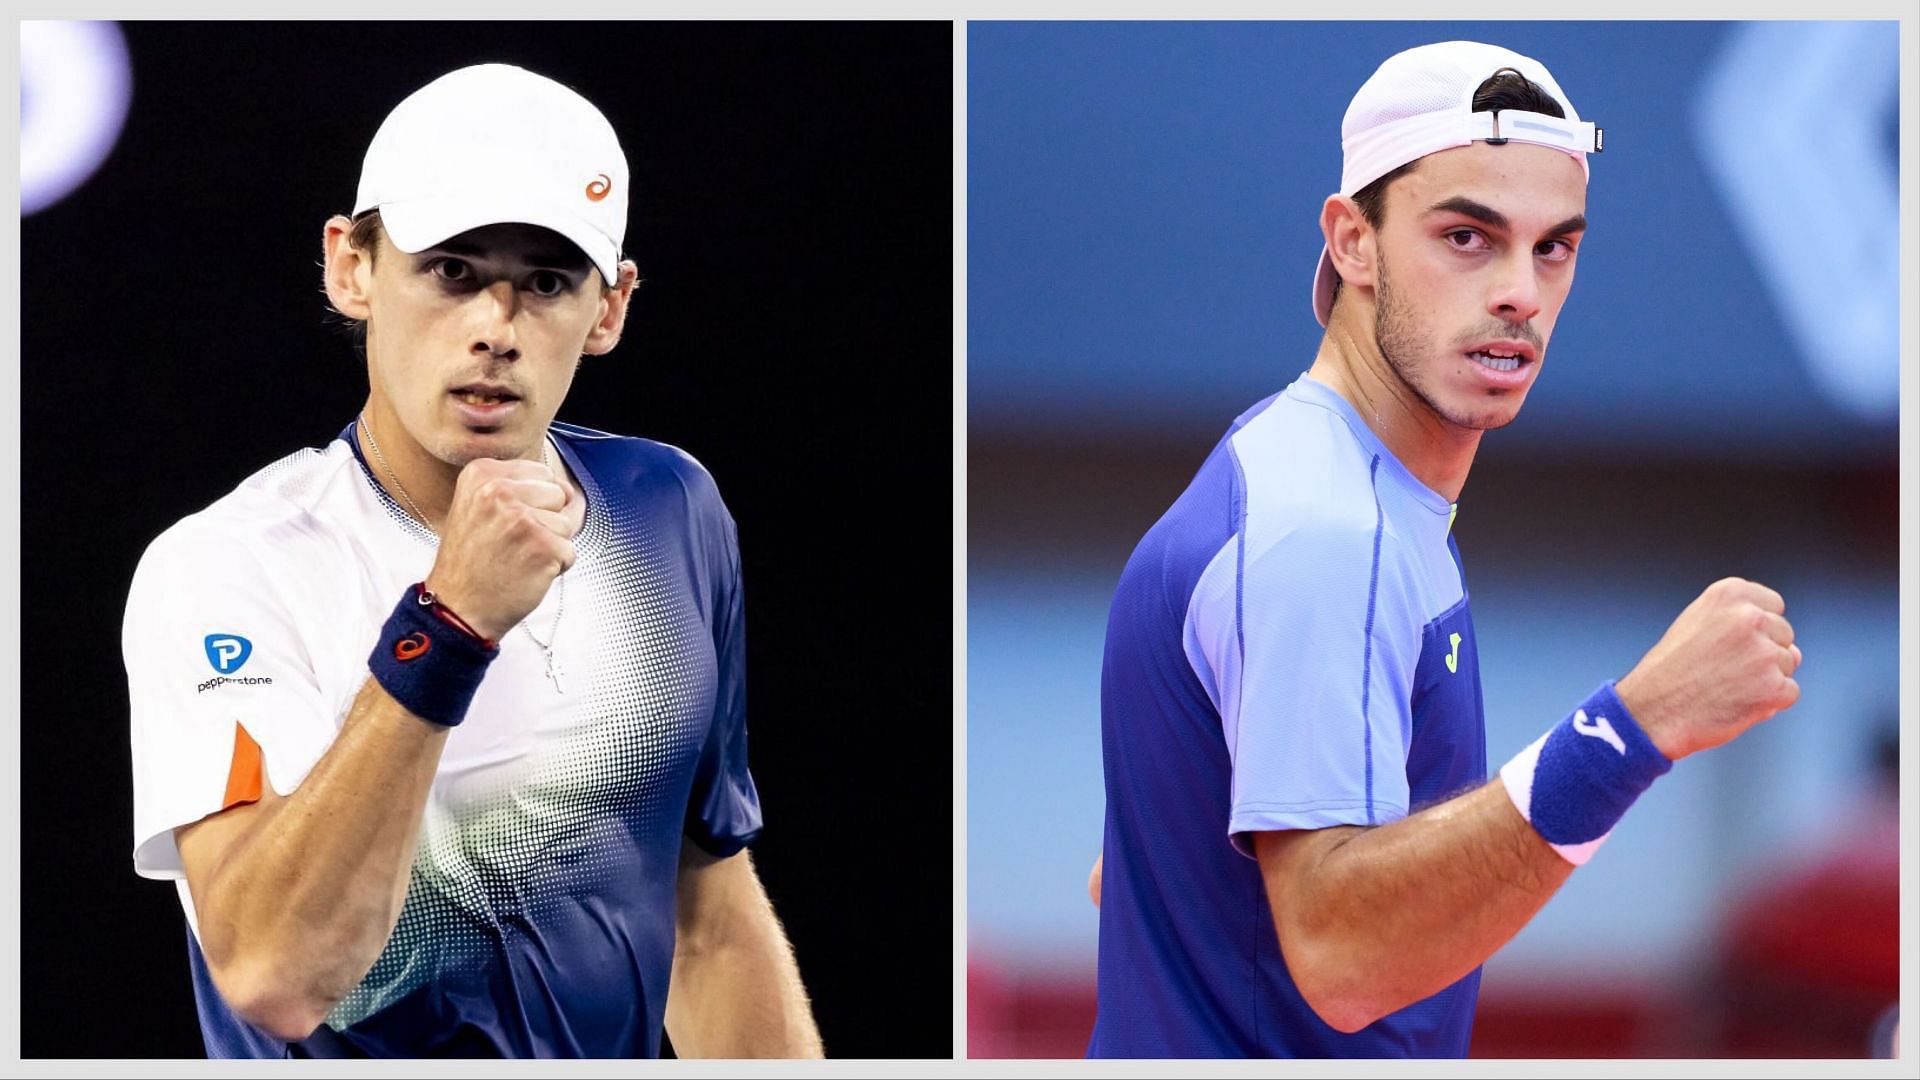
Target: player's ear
[1350,240]
[349,270]
[605,333]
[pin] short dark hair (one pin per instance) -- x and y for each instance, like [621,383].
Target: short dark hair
[1504,89]
[366,233]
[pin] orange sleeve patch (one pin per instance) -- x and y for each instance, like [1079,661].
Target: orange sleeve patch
[244,775]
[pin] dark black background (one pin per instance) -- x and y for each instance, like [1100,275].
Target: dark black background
[792,220]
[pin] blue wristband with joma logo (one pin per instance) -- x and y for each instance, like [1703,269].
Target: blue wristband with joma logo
[1575,782]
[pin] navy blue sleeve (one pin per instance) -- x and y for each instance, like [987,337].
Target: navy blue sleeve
[723,809]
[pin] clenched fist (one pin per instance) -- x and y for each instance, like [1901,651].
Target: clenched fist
[505,538]
[1726,664]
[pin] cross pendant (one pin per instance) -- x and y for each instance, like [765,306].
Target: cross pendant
[554,672]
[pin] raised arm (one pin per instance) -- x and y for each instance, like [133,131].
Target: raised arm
[1371,920]
[296,897]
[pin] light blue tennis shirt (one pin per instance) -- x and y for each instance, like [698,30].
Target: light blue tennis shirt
[1289,648]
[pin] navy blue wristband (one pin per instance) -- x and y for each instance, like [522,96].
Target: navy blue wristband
[1576,781]
[428,660]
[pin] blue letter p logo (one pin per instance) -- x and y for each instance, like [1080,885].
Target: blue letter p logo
[226,652]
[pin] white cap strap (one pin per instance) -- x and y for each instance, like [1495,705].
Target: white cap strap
[1514,125]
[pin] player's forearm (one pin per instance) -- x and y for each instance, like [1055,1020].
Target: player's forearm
[1384,917]
[301,907]
[735,988]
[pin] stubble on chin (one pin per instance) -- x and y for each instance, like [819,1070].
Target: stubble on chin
[1411,352]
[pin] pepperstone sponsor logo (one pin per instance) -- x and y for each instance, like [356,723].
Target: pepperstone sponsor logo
[219,681]
[227,652]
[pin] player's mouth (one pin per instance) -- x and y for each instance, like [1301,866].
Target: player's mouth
[1503,363]
[484,404]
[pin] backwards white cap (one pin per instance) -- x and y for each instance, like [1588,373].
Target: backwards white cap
[1420,102]
[494,144]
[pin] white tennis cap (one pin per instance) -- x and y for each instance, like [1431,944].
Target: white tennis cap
[1420,102]
[493,144]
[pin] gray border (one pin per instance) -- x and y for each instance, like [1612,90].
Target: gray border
[959,852]
[10,621]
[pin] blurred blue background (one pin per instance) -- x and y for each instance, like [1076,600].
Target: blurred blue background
[1144,199]
[1721,397]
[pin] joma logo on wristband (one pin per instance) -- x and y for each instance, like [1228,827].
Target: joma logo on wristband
[1598,728]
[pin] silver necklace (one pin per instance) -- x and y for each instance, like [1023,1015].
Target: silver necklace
[554,670]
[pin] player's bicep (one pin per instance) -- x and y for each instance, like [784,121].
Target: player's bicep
[1288,857]
[207,846]
[1288,861]
[715,897]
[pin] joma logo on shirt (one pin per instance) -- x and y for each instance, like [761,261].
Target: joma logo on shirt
[1453,658]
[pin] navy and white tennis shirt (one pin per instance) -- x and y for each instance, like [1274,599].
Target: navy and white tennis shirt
[539,916]
[1289,648]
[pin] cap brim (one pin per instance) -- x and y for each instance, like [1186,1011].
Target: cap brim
[1324,279]
[416,225]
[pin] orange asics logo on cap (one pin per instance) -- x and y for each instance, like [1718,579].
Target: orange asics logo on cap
[599,187]
[413,645]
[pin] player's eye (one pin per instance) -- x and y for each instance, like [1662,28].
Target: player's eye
[1465,239]
[548,283]
[1557,250]
[452,271]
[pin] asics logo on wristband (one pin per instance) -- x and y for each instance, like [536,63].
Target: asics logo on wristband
[413,645]
[1598,728]
[429,671]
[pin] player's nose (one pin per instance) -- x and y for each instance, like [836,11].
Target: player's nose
[1516,292]
[497,305]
